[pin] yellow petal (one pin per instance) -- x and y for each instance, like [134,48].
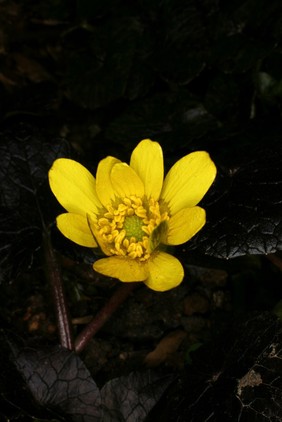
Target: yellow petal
[126,182]
[188,180]
[74,186]
[104,186]
[147,161]
[183,225]
[165,272]
[124,269]
[75,227]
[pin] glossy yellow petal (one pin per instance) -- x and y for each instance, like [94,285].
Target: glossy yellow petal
[188,180]
[104,186]
[74,186]
[126,182]
[75,227]
[183,225]
[165,272]
[147,161]
[124,269]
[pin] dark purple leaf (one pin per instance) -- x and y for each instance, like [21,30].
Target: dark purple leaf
[130,398]
[59,380]
[25,199]
[245,210]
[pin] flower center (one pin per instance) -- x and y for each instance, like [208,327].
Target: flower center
[133,227]
[127,229]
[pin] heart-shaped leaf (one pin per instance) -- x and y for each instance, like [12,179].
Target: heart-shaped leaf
[130,398]
[59,383]
[59,380]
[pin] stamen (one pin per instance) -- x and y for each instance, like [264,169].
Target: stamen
[126,229]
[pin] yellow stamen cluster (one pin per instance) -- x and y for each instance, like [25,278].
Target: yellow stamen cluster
[126,229]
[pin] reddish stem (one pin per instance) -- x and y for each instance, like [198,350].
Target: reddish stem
[276,260]
[54,276]
[119,296]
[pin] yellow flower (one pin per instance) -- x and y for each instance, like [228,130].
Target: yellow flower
[131,211]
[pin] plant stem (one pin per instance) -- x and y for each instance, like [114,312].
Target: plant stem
[54,276]
[119,296]
[275,259]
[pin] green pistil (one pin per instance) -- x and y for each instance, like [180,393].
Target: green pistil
[133,227]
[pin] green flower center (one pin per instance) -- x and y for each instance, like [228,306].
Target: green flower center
[133,227]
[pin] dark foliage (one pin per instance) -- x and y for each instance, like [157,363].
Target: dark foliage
[25,201]
[236,378]
[245,208]
[55,382]
[104,74]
